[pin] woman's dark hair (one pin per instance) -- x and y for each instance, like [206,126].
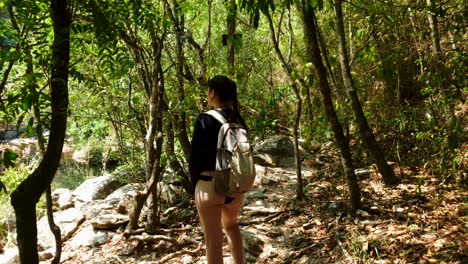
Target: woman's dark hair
[226,91]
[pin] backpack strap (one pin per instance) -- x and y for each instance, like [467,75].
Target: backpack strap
[217,116]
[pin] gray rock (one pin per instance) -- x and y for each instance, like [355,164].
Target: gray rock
[252,243]
[94,208]
[126,197]
[109,221]
[62,198]
[96,188]
[170,194]
[276,150]
[67,220]
[45,255]
[255,194]
[87,237]
[263,159]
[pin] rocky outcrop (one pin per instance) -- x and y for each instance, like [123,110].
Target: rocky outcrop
[96,188]
[275,151]
[89,215]
[67,220]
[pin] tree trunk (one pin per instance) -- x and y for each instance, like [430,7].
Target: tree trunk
[231,31]
[152,223]
[25,197]
[287,68]
[55,229]
[32,87]
[173,161]
[440,70]
[180,115]
[367,135]
[313,51]
[153,135]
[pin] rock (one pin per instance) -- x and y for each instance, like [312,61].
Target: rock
[268,181]
[109,221]
[94,208]
[67,220]
[252,243]
[10,256]
[263,159]
[126,197]
[187,259]
[96,188]
[255,194]
[87,237]
[170,194]
[276,150]
[45,255]
[62,198]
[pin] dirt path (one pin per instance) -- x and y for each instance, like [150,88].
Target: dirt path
[412,223]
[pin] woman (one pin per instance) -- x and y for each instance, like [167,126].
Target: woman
[216,211]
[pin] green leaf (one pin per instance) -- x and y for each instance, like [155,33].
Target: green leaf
[8,157]
[29,129]
[27,101]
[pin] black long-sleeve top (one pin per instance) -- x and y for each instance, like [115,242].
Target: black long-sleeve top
[204,143]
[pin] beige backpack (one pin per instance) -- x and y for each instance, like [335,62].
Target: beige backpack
[235,169]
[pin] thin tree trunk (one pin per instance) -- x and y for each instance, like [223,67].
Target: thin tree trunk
[180,116]
[173,161]
[152,223]
[287,68]
[367,135]
[55,229]
[22,33]
[313,51]
[440,69]
[231,31]
[25,197]
[42,149]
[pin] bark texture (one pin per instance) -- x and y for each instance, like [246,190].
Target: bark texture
[365,131]
[313,51]
[25,197]
[288,69]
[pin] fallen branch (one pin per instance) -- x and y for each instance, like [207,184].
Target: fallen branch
[153,238]
[263,220]
[140,231]
[177,254]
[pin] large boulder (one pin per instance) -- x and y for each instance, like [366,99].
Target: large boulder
[109,221]
[62,198]
[126,197]
[275,151]
[94,208]
[86,236]
[68,221]
[96,188]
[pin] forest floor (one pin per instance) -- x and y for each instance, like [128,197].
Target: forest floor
[421,220]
